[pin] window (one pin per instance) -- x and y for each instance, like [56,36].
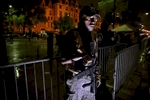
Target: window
[50,13]
[51,24]
[66,3]
[48,25]
[60,6]
[76,11]
[51,18]
[48,18]
[76,20]
[50,6]
[60,13]
[66,8]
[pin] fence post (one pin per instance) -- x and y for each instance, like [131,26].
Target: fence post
[50,44]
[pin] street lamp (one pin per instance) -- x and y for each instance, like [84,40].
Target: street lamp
[10,6]
[146,13]
[9,13]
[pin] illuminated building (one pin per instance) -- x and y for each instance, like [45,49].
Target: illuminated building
[56,9]
[53,10]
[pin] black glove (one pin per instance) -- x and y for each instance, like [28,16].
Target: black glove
[87,60]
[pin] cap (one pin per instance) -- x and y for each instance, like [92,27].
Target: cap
[89,11]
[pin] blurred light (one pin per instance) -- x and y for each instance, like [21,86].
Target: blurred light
[146,13]
[10,6]
[17,72]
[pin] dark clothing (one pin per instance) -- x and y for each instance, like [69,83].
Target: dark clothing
[83,40]
[75,39]
[106,38]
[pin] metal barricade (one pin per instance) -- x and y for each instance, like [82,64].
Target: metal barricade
[45,79]
[124,65]
[34,80]
[107,58]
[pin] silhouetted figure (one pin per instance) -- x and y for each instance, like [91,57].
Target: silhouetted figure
[11,36]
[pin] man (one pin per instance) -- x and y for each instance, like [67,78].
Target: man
[80,53]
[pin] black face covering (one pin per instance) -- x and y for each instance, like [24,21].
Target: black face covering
[92,20]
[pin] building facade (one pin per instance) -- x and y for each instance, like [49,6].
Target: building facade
[56,9]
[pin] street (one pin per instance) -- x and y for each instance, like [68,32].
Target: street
[21,49]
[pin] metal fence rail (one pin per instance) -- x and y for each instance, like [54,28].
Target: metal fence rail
[107,58]
[124,65]
[45,79]
[34,80]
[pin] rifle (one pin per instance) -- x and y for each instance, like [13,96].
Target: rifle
[93,71]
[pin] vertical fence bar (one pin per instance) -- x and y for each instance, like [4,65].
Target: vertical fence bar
[26,81]
[58,81]
[35,81]
[16,83]
[124,65]
[64,80]
[4,84]
[43,81]
[51,80]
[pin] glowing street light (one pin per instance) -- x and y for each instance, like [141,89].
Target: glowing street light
[146,13]
[9,13]
[10,6]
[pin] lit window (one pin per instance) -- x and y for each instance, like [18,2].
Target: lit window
[60,13]
[76,11]
[60,6]
[76,20]
[66,8]
[48,18]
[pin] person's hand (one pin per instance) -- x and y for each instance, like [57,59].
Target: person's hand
[98,77]
[70,60]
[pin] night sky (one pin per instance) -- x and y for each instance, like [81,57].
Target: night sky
[88,2]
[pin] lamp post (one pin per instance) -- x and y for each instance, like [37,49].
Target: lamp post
[9,14]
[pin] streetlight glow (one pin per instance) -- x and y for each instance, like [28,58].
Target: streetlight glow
[10,6]
[146,13]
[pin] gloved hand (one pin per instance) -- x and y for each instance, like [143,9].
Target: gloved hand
[87,60]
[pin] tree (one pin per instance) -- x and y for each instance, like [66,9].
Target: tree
[12,19]
[9,17]
[33,11]
[107,6]
[64,23]
[34,17]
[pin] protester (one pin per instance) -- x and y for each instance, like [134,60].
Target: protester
[80,53]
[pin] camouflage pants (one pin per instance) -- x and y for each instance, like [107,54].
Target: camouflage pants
[79,92]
